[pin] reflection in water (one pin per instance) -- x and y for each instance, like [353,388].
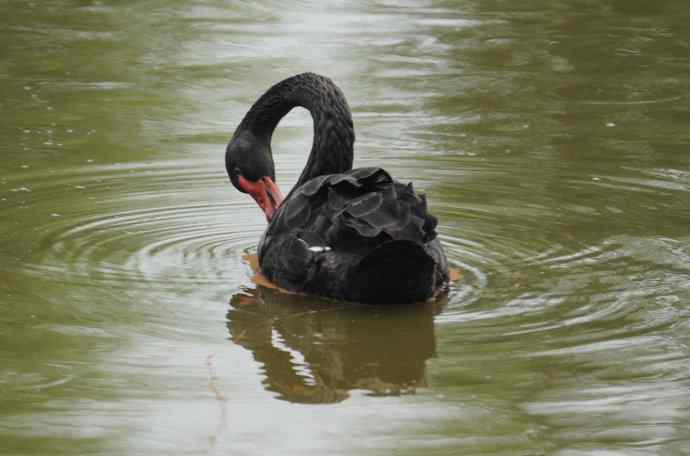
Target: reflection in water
[315,352]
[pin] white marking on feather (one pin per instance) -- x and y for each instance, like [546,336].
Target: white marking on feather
[319,248]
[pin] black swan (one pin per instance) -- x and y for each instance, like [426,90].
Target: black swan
[350,234]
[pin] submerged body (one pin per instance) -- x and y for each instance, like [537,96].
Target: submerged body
[356,235]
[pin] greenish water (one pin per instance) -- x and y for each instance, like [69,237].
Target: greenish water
[551,138]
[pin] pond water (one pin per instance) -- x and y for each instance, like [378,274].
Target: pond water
[551,138]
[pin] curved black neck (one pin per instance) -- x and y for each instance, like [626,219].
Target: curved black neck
[334,135]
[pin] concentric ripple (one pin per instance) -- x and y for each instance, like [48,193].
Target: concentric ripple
[131,232]
[526,277]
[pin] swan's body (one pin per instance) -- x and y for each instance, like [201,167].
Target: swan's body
[356,235]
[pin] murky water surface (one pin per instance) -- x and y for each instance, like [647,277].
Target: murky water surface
[551,138]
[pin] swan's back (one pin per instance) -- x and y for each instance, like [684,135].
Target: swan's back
[359,236]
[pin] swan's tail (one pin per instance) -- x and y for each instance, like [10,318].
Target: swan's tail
[398,271]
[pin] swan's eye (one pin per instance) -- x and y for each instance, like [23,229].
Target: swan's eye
[235,170]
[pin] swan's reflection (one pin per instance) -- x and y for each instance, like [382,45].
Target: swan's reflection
[315,352]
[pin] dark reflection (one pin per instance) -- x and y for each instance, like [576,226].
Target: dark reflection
[315,352]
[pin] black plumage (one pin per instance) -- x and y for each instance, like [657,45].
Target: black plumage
[351,234]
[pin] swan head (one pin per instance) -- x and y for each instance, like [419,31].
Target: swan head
[249,164]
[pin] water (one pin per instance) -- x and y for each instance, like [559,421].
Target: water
[550,136]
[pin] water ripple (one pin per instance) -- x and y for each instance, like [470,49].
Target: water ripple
[188,242]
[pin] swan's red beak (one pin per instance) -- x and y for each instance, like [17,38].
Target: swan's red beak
[265,192]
